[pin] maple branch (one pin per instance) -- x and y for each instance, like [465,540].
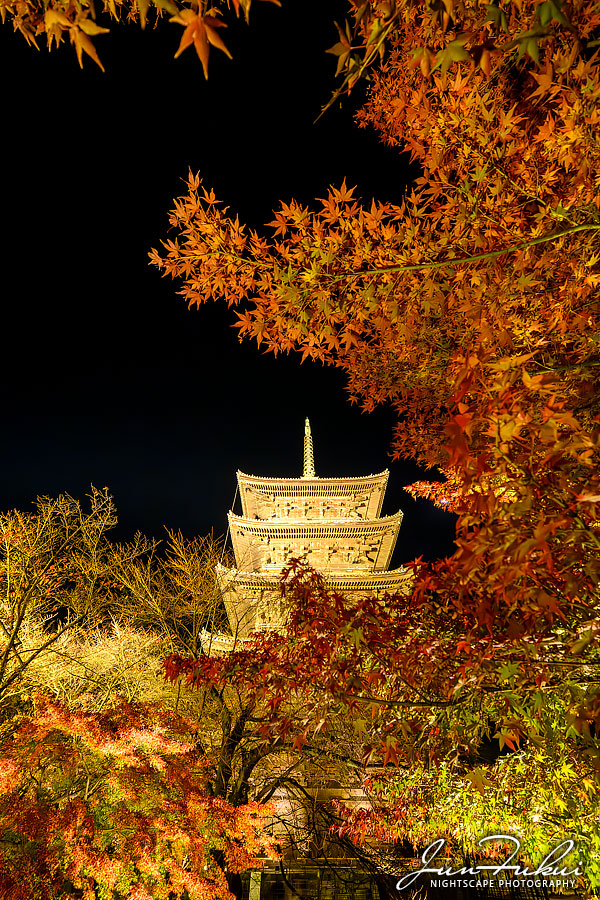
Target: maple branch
[28,593]
[368,59]
[443,263]
[26,662]
[582,365]
[425,703]
[268,790]
[413,267]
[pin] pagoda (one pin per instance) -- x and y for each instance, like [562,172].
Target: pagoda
[334,524]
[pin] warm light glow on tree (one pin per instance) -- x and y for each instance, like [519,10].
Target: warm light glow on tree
[472,309]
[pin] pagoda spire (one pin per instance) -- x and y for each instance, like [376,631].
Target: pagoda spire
[309,459]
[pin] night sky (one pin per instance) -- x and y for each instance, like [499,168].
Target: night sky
[107,378]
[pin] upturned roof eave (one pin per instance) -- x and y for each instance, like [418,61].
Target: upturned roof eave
[300,480]
[226,575]
[324,524]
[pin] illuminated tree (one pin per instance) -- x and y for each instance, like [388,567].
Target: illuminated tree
[54,576]
[90,622]
[472,309]
[116,804]
[448,740]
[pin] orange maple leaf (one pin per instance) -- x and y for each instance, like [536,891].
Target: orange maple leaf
[201,32]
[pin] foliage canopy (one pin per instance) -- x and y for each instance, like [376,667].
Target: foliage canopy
[472,308]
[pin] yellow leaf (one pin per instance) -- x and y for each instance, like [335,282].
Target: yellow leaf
[478,779]
[143,8]
[549,432]
[507,429]
[91,28]
[54,17]
[84,45]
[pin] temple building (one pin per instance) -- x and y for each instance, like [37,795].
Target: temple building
[335,524]
[332,523]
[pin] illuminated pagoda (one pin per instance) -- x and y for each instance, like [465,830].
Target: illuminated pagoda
[332,523]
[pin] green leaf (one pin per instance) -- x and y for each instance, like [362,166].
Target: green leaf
[497,16]
[538,701]
[454,52]
[377,28]
[551,10]
[529,45]
[544,12]
[508,671]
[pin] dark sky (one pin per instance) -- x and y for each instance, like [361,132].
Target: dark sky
[107,377]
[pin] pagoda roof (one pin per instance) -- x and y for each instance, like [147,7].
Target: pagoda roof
[248,535]
[254,488]
[392,580]
[297,482]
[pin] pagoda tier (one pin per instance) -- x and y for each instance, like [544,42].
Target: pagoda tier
[335,524]
[330,545]
[311,497]
[253,600]
[378,582]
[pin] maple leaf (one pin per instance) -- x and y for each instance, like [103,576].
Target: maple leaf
[299,741]
[55,22]
[83,44]
[201,32]
[479,780]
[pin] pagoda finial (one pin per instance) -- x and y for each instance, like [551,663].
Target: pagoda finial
[309,459]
